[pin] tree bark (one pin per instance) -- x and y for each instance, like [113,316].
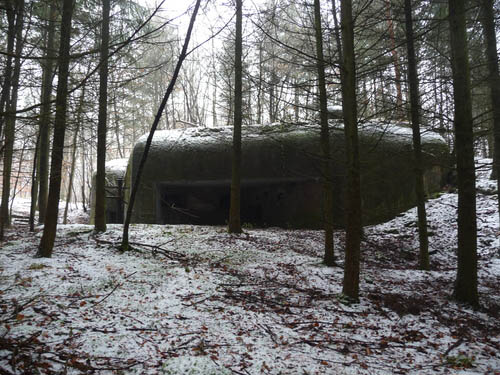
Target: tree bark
[395,59]
[466,281]
[83,166]
[234,225]
[50,227]
[100,194]
[423,259]
[353,191]
[44,125]
[10,124]
[7,83]
[135,186]
[34,184]
[329,256]
[488,20]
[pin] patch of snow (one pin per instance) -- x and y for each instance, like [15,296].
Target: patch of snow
[197,300]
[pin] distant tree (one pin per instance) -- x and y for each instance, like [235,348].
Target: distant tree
[488,20]
[50,227]
[74,146]
[466,281]
[353,188]
[329,257]
[417,148]
[234,225]
[100,200]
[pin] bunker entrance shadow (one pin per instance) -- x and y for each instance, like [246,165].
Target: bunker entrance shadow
[264,202]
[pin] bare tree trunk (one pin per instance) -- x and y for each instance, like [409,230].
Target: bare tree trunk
[47,77]
[488,19]
[135,186]
[7,83]
[19,166]
[82,158]
[71,173]
[395,58]
[423,258]
[117,126]
[34,184]
[353,204]
[10,124]
[100,191]
[234,225]
[50,227]
[466,281]
[329,256]
[73,154]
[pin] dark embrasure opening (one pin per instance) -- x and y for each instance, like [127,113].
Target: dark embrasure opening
[264,202]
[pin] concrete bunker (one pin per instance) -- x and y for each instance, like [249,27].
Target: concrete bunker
[186,179]
[115,194]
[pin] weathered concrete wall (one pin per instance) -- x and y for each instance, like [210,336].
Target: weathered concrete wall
[115,175]
[191,170]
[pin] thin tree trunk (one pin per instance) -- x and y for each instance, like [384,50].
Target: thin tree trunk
[50,227]
[466,281]
[10,124]
[71,173]
[338,41]
[117,126]
[423,259]
[4,98]
[353,204]
[19,166]
[125,243]
[100,191]
[494,83]
[73,154]
[214,94]
[329,256]
[234,225]
[47,77]
[34,184]
[395,58]
[82,157]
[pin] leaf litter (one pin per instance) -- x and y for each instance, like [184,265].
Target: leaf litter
[196,300]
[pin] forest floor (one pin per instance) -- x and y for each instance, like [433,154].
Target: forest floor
[196,300]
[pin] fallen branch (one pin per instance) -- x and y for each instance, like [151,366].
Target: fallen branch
[113,290]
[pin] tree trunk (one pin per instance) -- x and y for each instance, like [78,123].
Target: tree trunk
[395,58]
[329,256]
[466,281]
[100,191]
[488,20]
[10,124]
[73,154]
[423,258]
[50,227]
[82,157]
[353,191]
[234,225]
[7,83]
[135,186]
[117,125]
[19,168]
[34,184]
[47,77]
[71,173]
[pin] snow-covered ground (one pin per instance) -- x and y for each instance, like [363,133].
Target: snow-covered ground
[196,300]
